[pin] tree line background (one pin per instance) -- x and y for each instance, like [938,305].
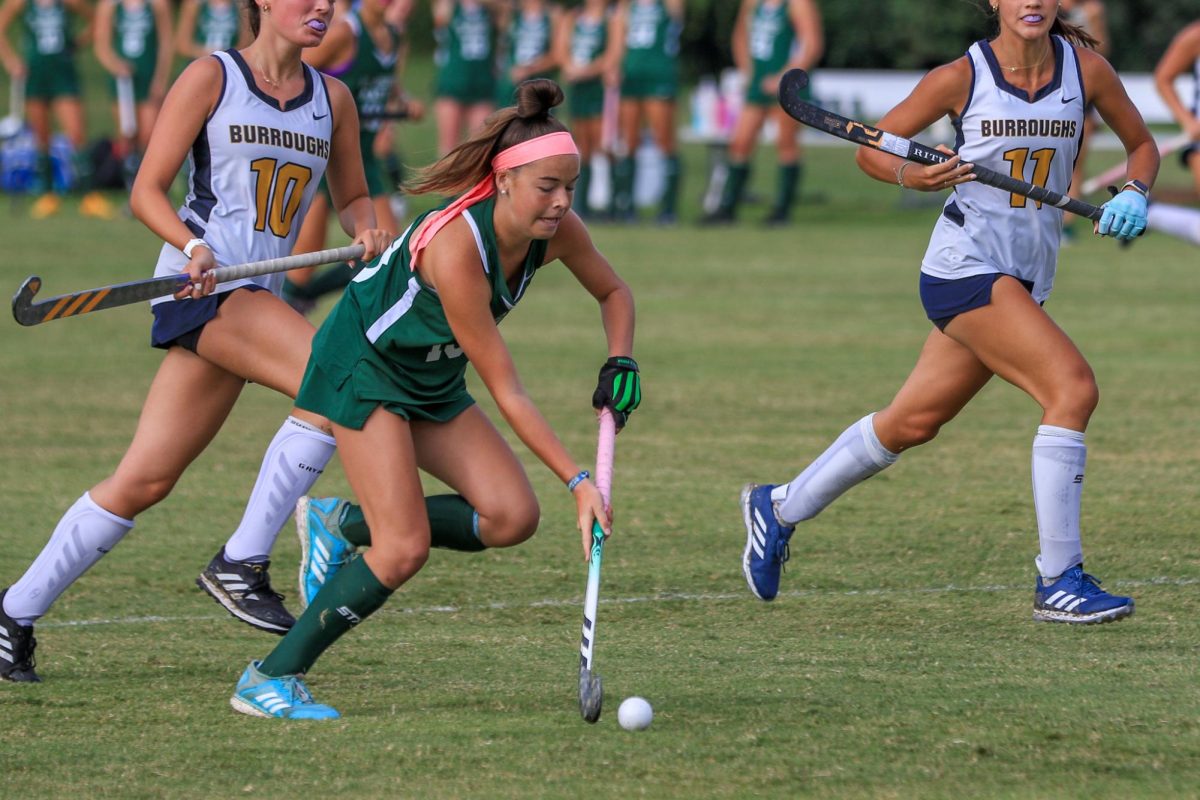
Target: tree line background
[903,34]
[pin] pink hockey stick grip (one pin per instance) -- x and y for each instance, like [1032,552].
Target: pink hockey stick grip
[604,455]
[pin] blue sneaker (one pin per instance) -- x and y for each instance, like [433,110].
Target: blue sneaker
[766,541]
[323,551]
[1077,597]
[283,698]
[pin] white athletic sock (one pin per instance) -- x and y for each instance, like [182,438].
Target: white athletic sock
[295,459]
[1175,220]
[84,534]
[855,456]
[1059,455]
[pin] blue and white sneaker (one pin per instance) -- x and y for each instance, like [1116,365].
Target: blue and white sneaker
[283,698]
[323,550]
[766,541]
[1076,597]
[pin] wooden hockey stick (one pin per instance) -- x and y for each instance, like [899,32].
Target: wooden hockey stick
[28,312]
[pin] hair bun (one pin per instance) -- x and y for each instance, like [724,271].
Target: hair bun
[536,97]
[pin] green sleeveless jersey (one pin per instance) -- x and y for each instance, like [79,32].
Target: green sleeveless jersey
[771,36]
[651,40]
[47,33]
[464,56]
[589,39]
[135,37]
[371,74]
[217,27]
[388,335]
[527,40]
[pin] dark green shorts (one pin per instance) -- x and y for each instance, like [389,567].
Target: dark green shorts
[468,88]
[755,96]
[650,87]
[585,100]
[141,85]
[52,78]
[350,399]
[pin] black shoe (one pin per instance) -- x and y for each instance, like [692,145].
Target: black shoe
[777,219]
[17,644]
[719,217]
[244,588]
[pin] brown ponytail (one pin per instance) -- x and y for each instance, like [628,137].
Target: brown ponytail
[254,16]
[471,162]
[1073,33]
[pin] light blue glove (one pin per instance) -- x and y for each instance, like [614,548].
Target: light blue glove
[1124,216]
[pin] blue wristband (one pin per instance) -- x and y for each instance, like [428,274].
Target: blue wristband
[578,479]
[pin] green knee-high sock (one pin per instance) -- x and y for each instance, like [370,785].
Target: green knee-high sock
[331,280]
[581,191]
[350,596]
[453,524]
[735,186]
[789,185]
[623,175]
[43,174]
[673,176]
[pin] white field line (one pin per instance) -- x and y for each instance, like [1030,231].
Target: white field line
[663,597]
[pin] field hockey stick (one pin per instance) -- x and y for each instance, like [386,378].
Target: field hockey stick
[591,688]
[789,97]
[28,312]
[12,124]
[126,109]
[1167,147]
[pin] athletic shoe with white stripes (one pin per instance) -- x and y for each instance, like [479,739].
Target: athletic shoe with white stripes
[766,541]
[17,644]
[1076,597]
[323,550]
[282,698]
[244,589]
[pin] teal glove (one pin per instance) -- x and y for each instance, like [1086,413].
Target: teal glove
[1124,216]
[619,388]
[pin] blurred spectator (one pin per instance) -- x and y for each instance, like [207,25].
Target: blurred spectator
[206,26]
[525,45]
[1182,57]
[466,82]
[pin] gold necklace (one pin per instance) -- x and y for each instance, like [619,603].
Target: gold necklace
[262,73]
[1040,61]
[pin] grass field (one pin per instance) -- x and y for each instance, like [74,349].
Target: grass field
[899,661]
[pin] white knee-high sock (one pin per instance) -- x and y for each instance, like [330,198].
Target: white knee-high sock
[1175,220]
[295,459]
[1059,455]
[83,535]
[855,456]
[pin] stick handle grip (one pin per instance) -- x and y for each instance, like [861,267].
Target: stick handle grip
[255,268]
[604,455]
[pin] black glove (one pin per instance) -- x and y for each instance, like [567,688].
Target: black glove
[619,388]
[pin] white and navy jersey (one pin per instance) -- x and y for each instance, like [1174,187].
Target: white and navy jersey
[983,229]
[254,171]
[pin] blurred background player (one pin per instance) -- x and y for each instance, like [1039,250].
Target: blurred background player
[769,38]
[988,269]
[1088,16]
[525,45]
[647,33]
[206,26]
[465,87]
[586,49]
[133,42]
[47,66]
[1183,57]
[363,51]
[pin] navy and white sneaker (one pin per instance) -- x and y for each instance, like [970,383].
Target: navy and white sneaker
[281,698]
[323,549]
[17,644]
[766,541]
[1076,597]
[244,589]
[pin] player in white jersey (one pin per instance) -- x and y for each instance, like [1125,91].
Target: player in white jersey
[1183,57]
[260,127]
[1017,102]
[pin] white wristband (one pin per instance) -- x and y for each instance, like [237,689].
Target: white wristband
[192,245]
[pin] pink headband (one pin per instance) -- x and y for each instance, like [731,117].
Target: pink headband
[551,144]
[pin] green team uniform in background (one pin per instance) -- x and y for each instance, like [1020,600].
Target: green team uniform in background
[528,39]
[135,39]
[589,39]
[49,52]
[772,40]
[464,57]
[370,78]
[650,68]
[387,342]
[217,28]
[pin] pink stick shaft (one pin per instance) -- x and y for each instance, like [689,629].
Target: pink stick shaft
[604,455]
